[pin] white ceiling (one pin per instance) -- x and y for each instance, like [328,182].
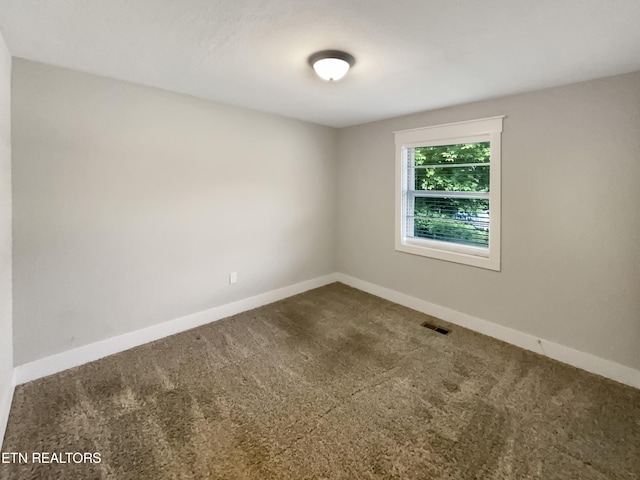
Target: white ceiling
[411,55]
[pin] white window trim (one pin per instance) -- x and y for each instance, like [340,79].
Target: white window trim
[448,134]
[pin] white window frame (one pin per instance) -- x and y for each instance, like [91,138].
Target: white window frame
[471,131]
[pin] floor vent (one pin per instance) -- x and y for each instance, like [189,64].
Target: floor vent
[441,330]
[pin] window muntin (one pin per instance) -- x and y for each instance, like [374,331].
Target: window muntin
[448,194]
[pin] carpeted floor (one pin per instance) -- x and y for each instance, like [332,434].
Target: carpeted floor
[333,383]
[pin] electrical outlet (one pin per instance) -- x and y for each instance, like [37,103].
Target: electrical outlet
[233,277]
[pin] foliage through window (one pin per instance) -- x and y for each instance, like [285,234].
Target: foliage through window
[447,197]
[449,201]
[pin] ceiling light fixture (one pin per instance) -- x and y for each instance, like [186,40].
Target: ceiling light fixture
[331,65]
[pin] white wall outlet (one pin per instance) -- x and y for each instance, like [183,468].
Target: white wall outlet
[233,277]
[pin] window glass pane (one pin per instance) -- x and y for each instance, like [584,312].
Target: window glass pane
[450,154]
[458,220]
[453,179]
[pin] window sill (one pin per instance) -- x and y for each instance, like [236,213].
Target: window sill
[473,256]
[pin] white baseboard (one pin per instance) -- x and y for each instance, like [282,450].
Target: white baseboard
[95,351]
[582,360]
[5,407]
[88,353]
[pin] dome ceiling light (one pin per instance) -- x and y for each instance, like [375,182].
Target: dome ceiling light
[331,65]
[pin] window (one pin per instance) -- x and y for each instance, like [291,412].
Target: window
[448,192]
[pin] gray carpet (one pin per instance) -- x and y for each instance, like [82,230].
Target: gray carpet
[333,383]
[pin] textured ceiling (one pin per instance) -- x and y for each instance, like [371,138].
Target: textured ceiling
[411,55]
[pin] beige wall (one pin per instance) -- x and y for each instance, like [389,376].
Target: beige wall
[132,205]
[570,208]
[6,345]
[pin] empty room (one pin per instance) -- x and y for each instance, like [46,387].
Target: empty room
[320,239]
